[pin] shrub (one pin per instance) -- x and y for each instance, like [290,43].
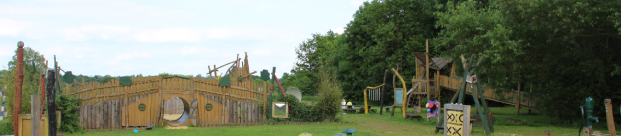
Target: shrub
[299,112]
[6,128]
[69,115]
[330,94]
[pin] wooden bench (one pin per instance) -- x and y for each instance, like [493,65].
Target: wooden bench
[412,116]
[388,108]
[442,127]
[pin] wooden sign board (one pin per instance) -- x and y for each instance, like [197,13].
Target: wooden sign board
[457,120]
[398,96]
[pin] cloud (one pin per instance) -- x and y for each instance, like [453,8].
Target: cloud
[10,27]
[127,56]
[99,9]
[98,31]
[189,50]
[168,35]
[357,3]
[239,2]
[339,30]
[280,33]
[5,51]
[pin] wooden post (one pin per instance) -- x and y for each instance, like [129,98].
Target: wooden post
[547,133]
[438,90]
[426,68]
[161,103]
[35,111]
[19,79]
[265,100]
[531,92]
[126,107]
[223,103]
[382,93]
[51,102]
[519,98]
[610,118]
[586,131]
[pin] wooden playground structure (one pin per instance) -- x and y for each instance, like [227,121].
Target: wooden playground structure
[439,73]
[233,99]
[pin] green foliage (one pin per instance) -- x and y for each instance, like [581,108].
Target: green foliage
[32,68]
[568,49]
[330,94]
[106,79]
[69,114]
[6,128]
[299,112]
[382,35]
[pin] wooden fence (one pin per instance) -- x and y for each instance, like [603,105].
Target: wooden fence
[114,106]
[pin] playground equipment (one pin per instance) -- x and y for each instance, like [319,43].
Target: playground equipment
[349,131]
[295,92]
[280,110]
[374,93]
[457,121]
[137,102]
[366,106]
[470,72]
[400,93]
[588,107]
[421,83]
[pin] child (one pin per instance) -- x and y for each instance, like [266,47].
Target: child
[349,104]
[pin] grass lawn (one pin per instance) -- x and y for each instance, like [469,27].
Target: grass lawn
[374,124]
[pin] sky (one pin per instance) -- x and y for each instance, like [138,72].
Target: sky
[119,38]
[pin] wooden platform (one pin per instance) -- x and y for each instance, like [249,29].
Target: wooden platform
[413,116]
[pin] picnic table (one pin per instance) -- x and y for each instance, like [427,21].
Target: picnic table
[361,110]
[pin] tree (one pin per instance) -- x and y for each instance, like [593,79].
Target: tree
[32,68]
[568,49]
[383,35]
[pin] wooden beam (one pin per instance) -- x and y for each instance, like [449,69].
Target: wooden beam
[519,98]
[35,120]
[247,74]
[610,118]
[531,92]
[216,68]
[426,68]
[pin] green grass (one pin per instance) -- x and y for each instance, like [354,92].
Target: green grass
[374,124]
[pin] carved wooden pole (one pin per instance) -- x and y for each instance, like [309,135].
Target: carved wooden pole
[19,79]
[51,101]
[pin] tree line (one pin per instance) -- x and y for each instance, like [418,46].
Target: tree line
[566,50]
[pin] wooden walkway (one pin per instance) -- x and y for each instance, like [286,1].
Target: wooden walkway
[511,98]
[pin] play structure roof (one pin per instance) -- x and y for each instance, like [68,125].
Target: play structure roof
[436,63]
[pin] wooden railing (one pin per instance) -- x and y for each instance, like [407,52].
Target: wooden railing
[511,97]
[93,92]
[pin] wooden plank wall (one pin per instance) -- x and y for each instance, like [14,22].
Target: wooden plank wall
[113,106]
[511,97]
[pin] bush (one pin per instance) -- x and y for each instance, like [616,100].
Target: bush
[299,112]
[69,115]
[330,94]
[5,127]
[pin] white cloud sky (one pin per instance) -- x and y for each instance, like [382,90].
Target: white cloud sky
[118,38]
